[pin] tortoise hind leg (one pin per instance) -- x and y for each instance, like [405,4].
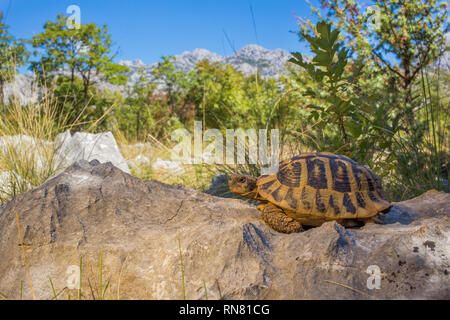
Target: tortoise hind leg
[351,223]
[374,220]
[358,223]
[278,220]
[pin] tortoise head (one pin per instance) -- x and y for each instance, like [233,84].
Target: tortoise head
[243,185]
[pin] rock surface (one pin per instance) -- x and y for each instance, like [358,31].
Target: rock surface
[88,146]
[138,226]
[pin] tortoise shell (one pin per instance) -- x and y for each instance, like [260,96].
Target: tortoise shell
[324,186]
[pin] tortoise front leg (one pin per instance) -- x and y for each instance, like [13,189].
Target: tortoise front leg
[278,220]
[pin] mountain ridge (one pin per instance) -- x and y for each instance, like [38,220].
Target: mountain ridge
[248,60]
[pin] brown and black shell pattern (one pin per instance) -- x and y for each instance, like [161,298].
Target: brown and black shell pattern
[324,186]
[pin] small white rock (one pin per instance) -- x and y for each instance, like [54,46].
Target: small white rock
[168,165]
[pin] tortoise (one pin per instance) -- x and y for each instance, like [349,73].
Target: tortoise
[312,188]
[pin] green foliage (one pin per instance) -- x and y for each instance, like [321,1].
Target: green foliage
[327,67]
[135,114]
[374,92]
[83,52]
[146,110]
[12,55]
[347,119]
[218,90]
[175,81]
[402,38]
[404,116]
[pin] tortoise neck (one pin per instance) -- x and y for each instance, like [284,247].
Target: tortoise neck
[252,195]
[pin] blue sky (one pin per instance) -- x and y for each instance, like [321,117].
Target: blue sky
[147,30]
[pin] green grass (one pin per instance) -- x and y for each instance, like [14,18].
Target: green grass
[101,290]
[55,296]
[100,293]
[219,290]
[183,290]
[206,291]
[81,272]
[419,155]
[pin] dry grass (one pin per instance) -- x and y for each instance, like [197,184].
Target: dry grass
[26,148]
[351,288]
[194,176]
[26,153]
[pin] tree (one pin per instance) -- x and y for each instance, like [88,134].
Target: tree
[137,106]
[399,43]
[174,81]
[12,56]
[334,88]
[218,89]
[84,52]
[402,37]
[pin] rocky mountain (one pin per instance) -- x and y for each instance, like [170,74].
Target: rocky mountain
[248,60]
[270,63]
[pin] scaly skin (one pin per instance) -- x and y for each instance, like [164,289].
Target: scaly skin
[276,218]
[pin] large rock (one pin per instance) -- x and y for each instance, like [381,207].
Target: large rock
[88,146]
[138,225]
[41,156]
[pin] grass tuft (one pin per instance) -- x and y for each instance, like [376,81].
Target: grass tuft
[24,256]
[81,269]
[3,296]
[183,291]
[206,291]
[53,289]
